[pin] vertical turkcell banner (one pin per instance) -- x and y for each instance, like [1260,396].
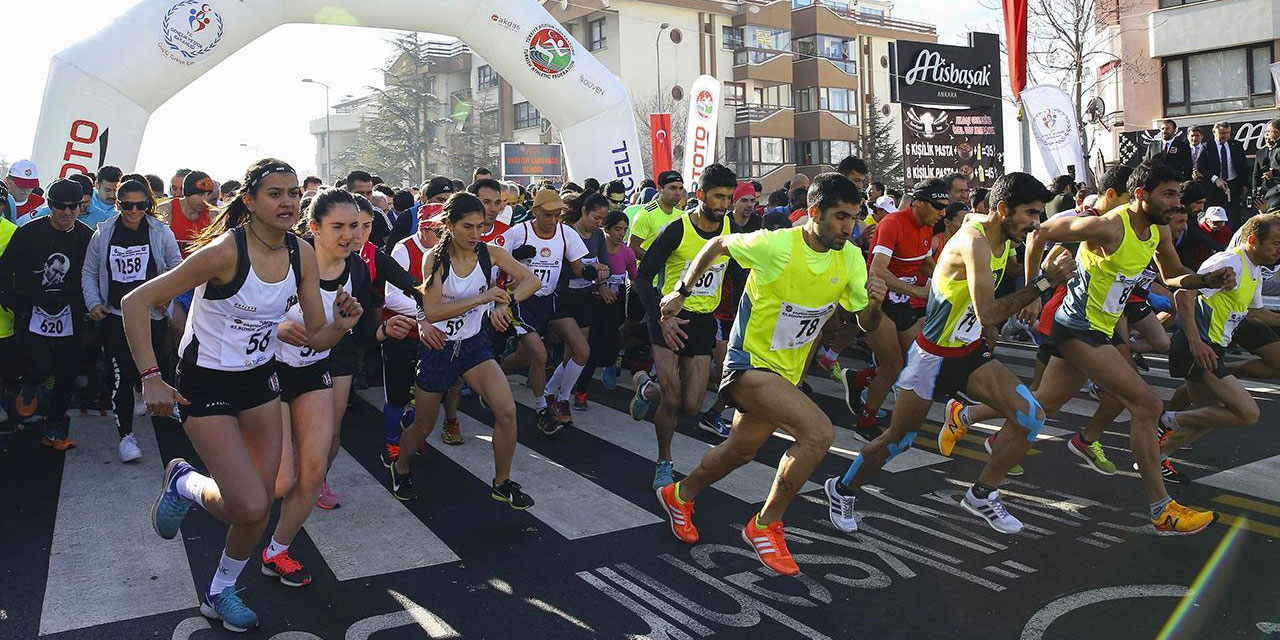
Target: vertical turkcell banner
[700,136]
[660,142]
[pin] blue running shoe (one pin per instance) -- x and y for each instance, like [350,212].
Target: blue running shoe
[609,377]
[715,423]
[170,508]
[640,405]
[663,475]
[230,609]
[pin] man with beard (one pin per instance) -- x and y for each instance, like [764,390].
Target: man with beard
[950,355]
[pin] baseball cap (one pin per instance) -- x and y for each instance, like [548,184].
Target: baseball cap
[64,190]
[437,186]
[886,203]
[197,182]
[24,174]
[669,176]
[548,199]
[1271,201]
[1215,213]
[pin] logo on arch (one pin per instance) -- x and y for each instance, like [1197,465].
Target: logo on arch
[548,51]
[190,30]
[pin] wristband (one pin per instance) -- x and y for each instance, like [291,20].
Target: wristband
[682,288]
[1041,284]
[148,374]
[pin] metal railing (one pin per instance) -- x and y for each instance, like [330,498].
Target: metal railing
[749,112]
[848,13]
[756,55]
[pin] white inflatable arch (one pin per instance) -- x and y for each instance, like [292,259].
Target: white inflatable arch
[101,91]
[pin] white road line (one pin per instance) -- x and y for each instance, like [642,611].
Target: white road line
[1260,479]
[106,564]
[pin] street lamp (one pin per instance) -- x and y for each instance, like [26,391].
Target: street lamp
[657,53]
[328,143]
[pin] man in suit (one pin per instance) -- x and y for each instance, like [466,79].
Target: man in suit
[1266,164]
[1170,149]
[1204,163]
[1230,175]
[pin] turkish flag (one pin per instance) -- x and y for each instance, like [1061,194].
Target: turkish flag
[1015,33]
[660,140]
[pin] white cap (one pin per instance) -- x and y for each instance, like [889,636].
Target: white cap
[1091,200]
[886,202]
[1215,213]
[24,174]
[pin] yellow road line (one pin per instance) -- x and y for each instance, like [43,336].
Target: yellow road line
[1252,505]
[1268,530]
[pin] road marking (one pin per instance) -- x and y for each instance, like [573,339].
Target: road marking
[1040,622]
[1260,479]
[1001,572]
[106,564]
[1019,566]
[372,533]
[1091,541]
[1271,531]
[1252,505]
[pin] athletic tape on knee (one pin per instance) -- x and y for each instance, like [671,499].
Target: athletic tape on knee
[1030,421]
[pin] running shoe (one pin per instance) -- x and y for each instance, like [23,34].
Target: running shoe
[663,475]
[992,510]
[451,433]
[953,428]
[170,508]
[510,493]
[679,514]
[1092,454]
[290,571]
[640,405]
[840,507]
[1015,470]
[1140,362]
[715,423]
[129,450]
[867,432]
[1177,520]
[26,401]
[402,485]
[580,401]
[563,412]
[1169,473]
[1093,390]
[610,378]
[547,422]
[770,545]
[837,374]
[328,500]
[230,609]
[139,406]
[389,454]
[58,444]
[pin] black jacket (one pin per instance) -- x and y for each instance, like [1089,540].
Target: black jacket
[1178,156]
[1267,159]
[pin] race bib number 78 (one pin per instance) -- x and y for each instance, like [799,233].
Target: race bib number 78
[798,326]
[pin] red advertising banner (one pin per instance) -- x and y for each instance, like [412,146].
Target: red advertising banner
[660,139]
[1015,31]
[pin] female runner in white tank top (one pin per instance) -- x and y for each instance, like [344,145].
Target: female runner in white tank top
[245,271]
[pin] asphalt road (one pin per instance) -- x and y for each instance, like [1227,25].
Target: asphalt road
[595,558]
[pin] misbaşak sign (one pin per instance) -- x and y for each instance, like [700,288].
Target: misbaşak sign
[937,74]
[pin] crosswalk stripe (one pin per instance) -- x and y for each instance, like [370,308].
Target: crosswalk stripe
[372,533]
[1260,479]
[567,502]
[98,573]
[1252,505]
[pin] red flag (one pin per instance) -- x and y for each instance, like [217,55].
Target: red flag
[1015,32]
[660,140]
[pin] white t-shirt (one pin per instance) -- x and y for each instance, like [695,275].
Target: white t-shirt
[1268,271]
[550,254]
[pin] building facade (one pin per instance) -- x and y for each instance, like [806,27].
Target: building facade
[798,76]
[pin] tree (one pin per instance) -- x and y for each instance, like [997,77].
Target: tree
[474,137]
[880,148]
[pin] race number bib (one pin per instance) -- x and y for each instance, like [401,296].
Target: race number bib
[902,298]
[249,344]
[708,283]
[968,330]
[1118,294]
[129,264]
[798,326]
[463,326]
[52,326]
[1234,318]
[547,271]
[1146,279]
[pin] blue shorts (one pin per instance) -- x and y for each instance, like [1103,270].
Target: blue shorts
[439,369]
[535,314]
[184,300]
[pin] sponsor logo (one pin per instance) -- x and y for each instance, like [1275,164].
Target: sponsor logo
[189,31]
[622,168]
[505,23]
[701,136]
[79,151]
[548,51]
[930,66]
[586,82]
[704,105]
[275,383]
[928,124]
[1053,128]
[544,252]
[500,241]
[245,307]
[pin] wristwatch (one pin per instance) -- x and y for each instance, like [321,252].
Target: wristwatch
[682,288]
[1042,284]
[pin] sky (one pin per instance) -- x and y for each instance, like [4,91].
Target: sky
[204,127]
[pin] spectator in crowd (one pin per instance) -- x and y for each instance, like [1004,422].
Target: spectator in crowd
[1191,240]
[22,181]
[1230,176]
[957,187]
[1266,164]
[874,191]
[1064,195]
[481,172]
[855,169]
[177,181]
[360,183]
[1174,151]
[1214,233]
[156,183]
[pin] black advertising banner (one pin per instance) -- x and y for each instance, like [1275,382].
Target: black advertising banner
[531,160]
[941,140]
[937,74]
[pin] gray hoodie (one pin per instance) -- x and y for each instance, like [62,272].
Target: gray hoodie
[97,275]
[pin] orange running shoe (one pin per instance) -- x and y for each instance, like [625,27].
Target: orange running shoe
[451,434]
[26,402]
[1177,520]
[770,546]
[680,515]
[59,444]
[953,428]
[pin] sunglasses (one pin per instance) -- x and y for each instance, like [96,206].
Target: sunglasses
[936,205]
[64,205]
[135,206]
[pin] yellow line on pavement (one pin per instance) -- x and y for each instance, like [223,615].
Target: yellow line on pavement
[1252,505]
[1268,530]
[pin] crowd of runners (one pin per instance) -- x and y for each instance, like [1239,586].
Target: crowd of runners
[247,311]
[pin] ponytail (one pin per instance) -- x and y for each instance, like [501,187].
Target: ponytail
[457,207]
[237,213]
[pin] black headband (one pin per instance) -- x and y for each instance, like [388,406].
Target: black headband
[254,179]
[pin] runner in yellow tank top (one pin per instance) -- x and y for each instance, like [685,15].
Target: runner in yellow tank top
[951,354]
[1111,244]
[798,278]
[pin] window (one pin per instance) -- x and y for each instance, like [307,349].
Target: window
[761,44]
[1223,80]
[815,152]
[730,37]
[527,116]
[430,84]
[735,94]
[485,77]
[869,11]
[779,95]
[838,50]
[841,103]
[756,157]
[595,35]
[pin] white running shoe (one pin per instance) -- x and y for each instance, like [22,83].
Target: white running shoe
[840,507]
[992,510]
[129,450]
[139,407]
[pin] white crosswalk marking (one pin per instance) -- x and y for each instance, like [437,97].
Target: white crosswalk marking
[372,533]
[106,564]
[1259,479]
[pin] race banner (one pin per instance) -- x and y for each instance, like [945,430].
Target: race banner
[1051,115]
[660,142]
[700,137]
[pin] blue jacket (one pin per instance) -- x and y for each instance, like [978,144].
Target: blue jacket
[98,212]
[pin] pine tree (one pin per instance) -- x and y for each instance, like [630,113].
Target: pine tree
[880,148]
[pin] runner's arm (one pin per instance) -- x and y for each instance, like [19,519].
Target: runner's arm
[397,278]
[1174,274]
[395,298]
[434,306]
[1264,316]
[1184,303]
[880,269]
[1096,230]
[89,274]
[528,284]
[322,335]
[655,259]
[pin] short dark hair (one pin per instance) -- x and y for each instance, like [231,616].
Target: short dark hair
[359,176]
[181,173]
[648,183]
[109,173]
[1116,177]
[156,183]
[1015,189]
[593,201]
[615,186]
[799,196]
[377,179]
[716,176]
[755,184]
[1190,192]
[230,187]
[953,176]
[1274,124]
[590,184]
[1152,173]
[1061,183]
[85,182]
[979,197]
[385,190]
[877,183]
[458,185]
[311,180]
[484,183]
[481,171]
[777,198]
[830,189]
[1169,121]
[852,164]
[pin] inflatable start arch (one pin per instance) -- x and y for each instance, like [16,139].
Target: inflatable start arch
[100,95]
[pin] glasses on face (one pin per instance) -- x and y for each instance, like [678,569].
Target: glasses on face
[135,206]
[936,205]
[64,205]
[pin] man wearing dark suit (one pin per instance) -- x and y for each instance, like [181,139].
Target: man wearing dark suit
[1204,163]
[1230,175]
[1170,149]
[1266,164]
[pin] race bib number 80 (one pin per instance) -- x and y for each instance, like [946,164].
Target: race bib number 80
[798,326]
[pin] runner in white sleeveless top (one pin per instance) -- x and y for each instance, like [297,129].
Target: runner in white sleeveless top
[227,389]
[457,292]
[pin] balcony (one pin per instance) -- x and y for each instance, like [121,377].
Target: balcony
[809,19]
[768,65]
[1181,29]
[748,113]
